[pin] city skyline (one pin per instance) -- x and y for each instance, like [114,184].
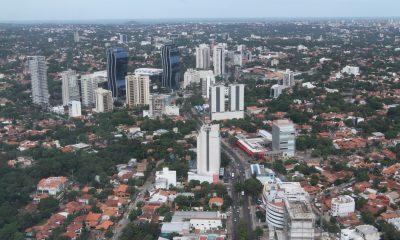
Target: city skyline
[74,10]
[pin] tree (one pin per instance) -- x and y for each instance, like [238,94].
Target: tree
[253,186]
[258,232]
[48,206]
[368,218]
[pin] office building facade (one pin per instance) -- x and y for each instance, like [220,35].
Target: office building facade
[299,220]
[203,57]
[38,70]
[137,90]
[70,87]
[171,66]
[104,100]
[284,137]
[117,69]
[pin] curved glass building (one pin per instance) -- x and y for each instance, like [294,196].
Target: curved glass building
[117,69]
[171,66]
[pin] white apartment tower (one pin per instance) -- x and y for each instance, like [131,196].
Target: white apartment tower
[70,87]
[288,78]
[284,137]
[38,69]
[89,84]
[104,100]
[137,90]
[236,97]
[219,60]
[203,59]
[299,220]
[227,102]
[208,150]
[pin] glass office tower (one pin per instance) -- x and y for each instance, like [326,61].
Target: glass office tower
[117,69]
[171,66]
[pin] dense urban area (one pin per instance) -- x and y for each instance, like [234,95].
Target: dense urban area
[242,130]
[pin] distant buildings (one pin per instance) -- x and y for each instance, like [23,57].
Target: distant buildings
[219,60]
[89,84]
[74,109]
[148,71]
[158,103]
[51,185]
[171,66]
[104,100]
[38,69]
[234,108]
[204,77]
[70,87]
[284,137]
[137,90]
[276,90]
[76,37]
[350,70]
[203,57]
[288,79]
[117,69]
[165,179]
[123,38]
[208,154]
[342,206]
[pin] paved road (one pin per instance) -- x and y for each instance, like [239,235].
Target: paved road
[138,197]
[240,205]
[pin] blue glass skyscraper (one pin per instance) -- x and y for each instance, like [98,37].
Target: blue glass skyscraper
[117,69]
[171,66]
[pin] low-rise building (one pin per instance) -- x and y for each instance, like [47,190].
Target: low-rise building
[342,206]
[51,185]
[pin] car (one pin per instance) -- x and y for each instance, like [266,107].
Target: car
[234,219]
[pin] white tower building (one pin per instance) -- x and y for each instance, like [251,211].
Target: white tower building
[70,87]
[38,69]
[203,58]
[288,78]
[219,60]
[208,150]
[137,90]
[236,97]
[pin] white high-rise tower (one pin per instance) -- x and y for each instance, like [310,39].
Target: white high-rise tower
[38,69]
[208,150]
[70,87]
[219,60]
[203,57]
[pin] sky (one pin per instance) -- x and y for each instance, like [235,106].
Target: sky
[37,10]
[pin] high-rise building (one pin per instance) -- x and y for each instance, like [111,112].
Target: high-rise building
[74,109]
[231,109]
[219,60]
[158,103]
[104,100]
[117,69]
[284,137]
[123,38]
[70,87]
[203,60]
[76,37]
[208,150]
[38,69]
[236,97]
[137,90]
[299,220]
[288,78]
[206,84]
[171,66]
[89,84]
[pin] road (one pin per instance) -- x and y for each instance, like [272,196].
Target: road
[138,197]
[240,204]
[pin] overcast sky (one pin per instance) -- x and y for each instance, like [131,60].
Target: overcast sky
[21,10]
